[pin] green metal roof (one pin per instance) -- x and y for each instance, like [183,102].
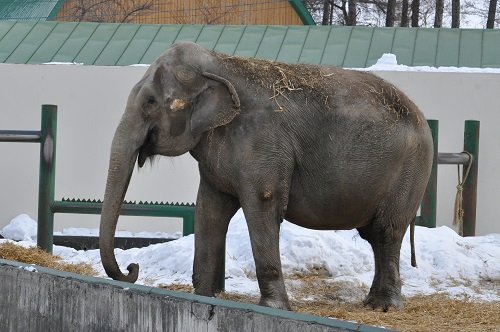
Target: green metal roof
[125,44]
[29,9]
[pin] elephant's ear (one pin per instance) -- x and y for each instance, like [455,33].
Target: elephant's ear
[216,106]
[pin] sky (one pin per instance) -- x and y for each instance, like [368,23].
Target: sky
[447,263]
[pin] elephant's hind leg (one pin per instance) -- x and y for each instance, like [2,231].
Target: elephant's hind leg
[385,241]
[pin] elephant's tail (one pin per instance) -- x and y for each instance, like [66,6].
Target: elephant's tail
[412,243]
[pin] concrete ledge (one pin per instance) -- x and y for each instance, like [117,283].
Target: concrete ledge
[38,299]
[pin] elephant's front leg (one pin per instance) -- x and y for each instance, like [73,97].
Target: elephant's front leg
[214,210]
[264,214]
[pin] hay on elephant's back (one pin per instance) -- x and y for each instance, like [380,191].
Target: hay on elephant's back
[320,83]
[281,77]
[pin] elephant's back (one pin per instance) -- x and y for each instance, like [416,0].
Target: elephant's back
[363,94]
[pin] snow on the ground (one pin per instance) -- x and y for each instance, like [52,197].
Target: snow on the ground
[388,62]
[23,228]
[447,262]
[95,232]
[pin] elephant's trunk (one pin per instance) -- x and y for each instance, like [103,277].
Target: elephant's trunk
[124,151]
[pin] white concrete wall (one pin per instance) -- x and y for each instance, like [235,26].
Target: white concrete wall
[91,101]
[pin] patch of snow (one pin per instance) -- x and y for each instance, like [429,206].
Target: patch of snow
[64,63]
[21,228]
[447,263]
[95,232]
[29,268]
[388,62]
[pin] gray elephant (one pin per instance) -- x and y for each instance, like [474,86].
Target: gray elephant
[325,148]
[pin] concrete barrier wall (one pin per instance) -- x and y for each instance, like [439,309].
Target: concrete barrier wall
[38,299]
[92,99]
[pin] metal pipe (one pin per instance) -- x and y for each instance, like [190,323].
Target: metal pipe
[146,210]
[186,212]
[428,206]
[47,177]
[471,145]
[461,158]
[23,136]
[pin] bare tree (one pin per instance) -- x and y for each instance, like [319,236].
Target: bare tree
[424,13]
[438,17]
[404,13]
[109,10]
[348,12]
[85,11]
[327,11]
[455,13]
[415,11]
[352,13]
[207,12]
[213,13]
[490,23]
[391,11]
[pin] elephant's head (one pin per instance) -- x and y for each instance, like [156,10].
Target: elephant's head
[181,96]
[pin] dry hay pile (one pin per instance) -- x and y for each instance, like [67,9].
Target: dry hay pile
[281,79]
[34,255]
[315,295]
[319,83]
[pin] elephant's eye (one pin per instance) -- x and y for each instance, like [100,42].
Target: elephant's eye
[184,74]
[151,100]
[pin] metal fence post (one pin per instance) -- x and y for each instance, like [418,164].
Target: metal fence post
[428,206]
[471,145]
[188,223]
[46,182]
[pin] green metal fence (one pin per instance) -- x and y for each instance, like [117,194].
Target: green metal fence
[470,155]
[47,137]
[48,206]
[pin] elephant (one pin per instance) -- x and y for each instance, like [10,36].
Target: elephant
[325,148]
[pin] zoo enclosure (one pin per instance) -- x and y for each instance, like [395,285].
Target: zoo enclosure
[469,158]
[47,206]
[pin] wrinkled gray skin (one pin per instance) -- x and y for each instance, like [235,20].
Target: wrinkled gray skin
[353,152]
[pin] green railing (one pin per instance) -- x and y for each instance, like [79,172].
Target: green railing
[48,206]
[144,209]
[47,137]
[470,155]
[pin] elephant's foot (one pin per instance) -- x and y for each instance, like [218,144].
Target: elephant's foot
[205,284]
[273,294]
[204,292]
[275,303]
[383,301]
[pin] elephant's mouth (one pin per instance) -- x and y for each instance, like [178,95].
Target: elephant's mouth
[147,149]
